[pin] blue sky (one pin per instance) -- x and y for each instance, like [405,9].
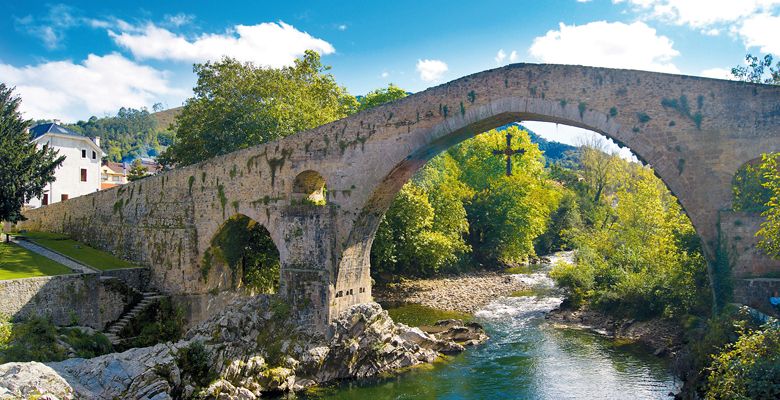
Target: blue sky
[81,58]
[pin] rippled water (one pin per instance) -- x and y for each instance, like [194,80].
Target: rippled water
[526,358]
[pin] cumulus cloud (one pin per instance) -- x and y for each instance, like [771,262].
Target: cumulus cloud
[431,70]
[700,13]
[269,44]
[755,22]
[98,85]
[762,31]
[501,56]
[717,73]
[607,44]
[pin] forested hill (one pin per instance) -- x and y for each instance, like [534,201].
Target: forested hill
[131,133]
[553,151]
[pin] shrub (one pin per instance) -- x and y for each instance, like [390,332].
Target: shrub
[158,323]
[748,368]
[577,279]
[194,361]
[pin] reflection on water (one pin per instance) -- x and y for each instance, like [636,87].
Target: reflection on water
[527,359]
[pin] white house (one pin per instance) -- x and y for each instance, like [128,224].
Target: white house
[79,173]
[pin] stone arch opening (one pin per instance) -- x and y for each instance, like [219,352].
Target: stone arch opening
[309,188]
[242,255]
[355,266]
[749,194]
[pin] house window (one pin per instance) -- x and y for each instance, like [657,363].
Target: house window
[83,153]
[45,201]
[83,174]
[94,155]
[63,197]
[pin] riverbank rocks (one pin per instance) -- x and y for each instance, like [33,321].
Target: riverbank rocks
[662,335]
[247,350]
[465,293]
[32,380]
[454,330]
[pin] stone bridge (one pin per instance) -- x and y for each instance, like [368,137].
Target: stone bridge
[695,132]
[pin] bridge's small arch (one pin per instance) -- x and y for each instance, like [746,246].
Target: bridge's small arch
[747,187]
[242,255]
[309,188]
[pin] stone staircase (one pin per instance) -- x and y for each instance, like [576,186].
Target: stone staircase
[112,333]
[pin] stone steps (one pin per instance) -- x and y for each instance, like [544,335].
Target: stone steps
[112,332]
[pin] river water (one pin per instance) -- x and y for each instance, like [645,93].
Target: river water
[527,358]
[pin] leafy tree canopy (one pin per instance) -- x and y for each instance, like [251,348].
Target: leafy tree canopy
[758,70]
[381,96]
[25,170]
[137,171]
[240,105]
[770,228]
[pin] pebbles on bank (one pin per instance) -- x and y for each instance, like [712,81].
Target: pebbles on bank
[465,293]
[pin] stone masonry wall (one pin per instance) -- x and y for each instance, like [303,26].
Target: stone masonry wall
[738,231]
[83,299]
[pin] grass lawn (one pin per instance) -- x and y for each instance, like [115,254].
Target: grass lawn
[17,262]
[81,252]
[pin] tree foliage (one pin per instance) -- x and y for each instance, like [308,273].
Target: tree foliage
[381,96]
[137,171]
[246,247]
[25,170]
[750,192]
[770,228]
[748,368]
[240,105]
[638,254]
[130,134]
[758,70]
[461,210]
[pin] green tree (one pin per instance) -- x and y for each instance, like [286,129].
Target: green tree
[643,260]
[506,213]
[137,171]
[758,70]
[240,105]
[750,192]
[381,96]
[770,228]
[25,170]
[407,243]
[749,368]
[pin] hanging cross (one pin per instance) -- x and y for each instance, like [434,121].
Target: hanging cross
[508,152]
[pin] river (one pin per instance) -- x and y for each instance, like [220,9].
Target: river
[526,358]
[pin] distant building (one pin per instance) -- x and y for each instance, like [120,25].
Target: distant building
[79,173]
[112,174]
[151,165]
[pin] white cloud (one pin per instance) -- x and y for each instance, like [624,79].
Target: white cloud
[431,70]
[700,13]
[50,27]
[607,44]
[267,44]
[96,86]
[584,1]
[717,73]
[762,31]
[179,19]
[385,74]
[500,56]
[342,27]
